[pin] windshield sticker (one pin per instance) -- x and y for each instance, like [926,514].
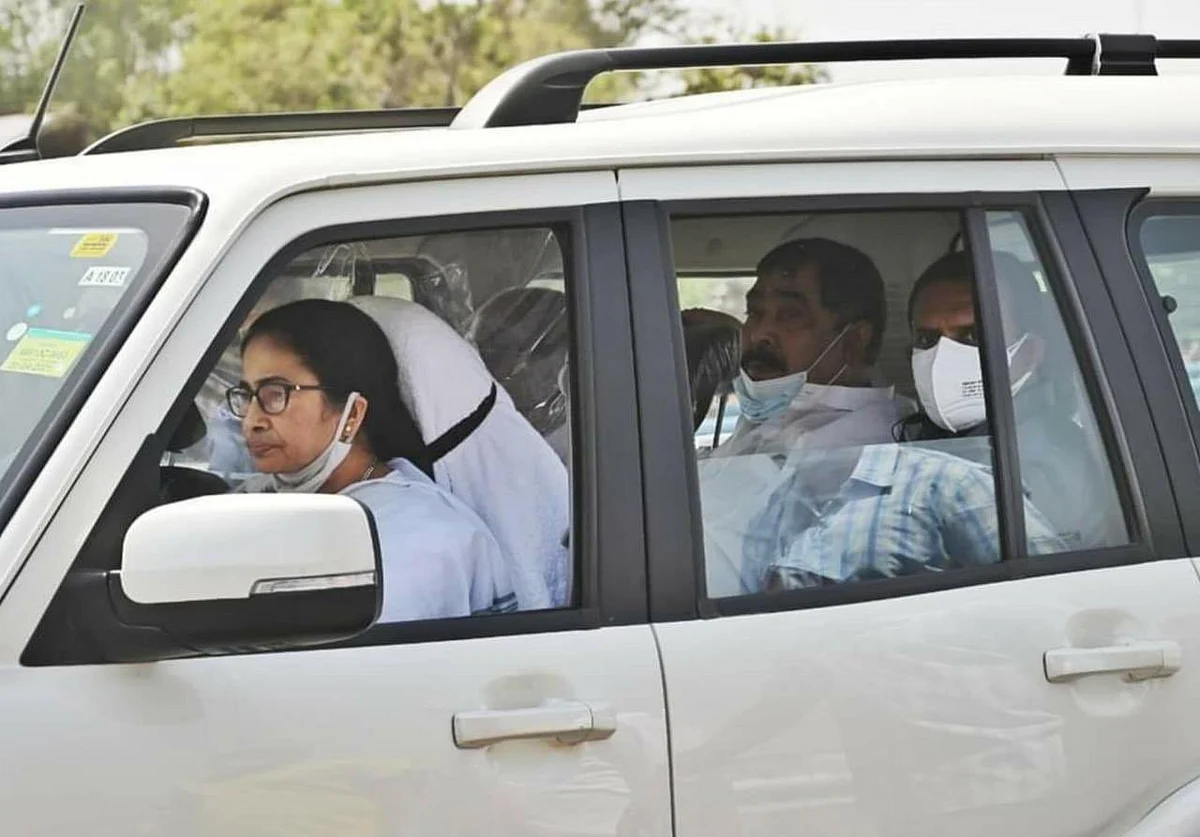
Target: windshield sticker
[69,314]
[104,277]
[46,352]
[32,311]
[16,332]
[94,245]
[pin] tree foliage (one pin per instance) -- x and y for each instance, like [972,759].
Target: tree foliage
[137,60]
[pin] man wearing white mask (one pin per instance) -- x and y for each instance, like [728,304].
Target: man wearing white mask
[890,510]
[1061,474]
[813,329]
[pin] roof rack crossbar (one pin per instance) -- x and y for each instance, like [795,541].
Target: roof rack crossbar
[1168,48]
[164,133]
[549,90]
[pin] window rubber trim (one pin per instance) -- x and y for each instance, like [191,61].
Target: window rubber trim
[1090,226]
[1001,415]
[1184,397]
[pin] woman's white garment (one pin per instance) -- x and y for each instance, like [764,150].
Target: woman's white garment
[439,559]
[504,471]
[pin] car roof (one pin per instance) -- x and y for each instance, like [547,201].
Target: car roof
[1003,116]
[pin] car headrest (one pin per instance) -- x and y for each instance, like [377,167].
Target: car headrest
[190,430]
[712,343]
[522,336]
[442,379]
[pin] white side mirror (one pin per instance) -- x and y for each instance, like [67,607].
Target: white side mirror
[251,571]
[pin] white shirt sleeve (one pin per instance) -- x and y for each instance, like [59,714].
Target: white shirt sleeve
[438,562]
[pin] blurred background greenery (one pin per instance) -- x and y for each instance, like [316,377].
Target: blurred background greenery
[136,60]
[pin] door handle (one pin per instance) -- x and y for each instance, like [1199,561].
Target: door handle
[566,721]
[1135,660]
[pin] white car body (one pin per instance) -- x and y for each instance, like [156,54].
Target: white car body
[904,715]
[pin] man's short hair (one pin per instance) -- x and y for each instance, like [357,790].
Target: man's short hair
[951,267]
[848,281]
[1018,287]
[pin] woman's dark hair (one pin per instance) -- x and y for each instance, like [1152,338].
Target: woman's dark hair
[348,352]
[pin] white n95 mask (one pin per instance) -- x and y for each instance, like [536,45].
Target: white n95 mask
[312,476]
[949,381]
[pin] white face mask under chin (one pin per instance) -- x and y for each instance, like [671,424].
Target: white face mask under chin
[763,400]
[949,381]
[312,476]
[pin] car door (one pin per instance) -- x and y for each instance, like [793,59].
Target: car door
[1039,694]
[355,738]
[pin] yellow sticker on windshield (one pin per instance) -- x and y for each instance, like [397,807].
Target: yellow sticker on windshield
[94,245]
[46,352]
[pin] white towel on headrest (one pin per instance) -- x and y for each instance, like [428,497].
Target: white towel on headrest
[507,473]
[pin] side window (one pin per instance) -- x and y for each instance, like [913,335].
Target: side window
[841,420]
[1170,244]
[422,375]
[473,404]
[1062,459]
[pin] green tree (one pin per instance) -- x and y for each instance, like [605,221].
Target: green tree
[136,60]
[718,79]
[121,43]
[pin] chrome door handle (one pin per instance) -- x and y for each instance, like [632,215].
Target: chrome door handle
[566,721]
[1135,660]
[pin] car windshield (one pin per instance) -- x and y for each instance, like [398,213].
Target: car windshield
[66,273]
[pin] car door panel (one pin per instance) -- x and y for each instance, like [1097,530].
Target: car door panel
[903,712]
[340,740]
[932,714]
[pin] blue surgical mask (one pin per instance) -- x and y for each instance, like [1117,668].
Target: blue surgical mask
[760,401]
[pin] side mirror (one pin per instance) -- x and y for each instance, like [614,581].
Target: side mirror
[247,572]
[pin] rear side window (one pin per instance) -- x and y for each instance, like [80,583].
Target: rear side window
[844,431]
[1171,246]
[66,274]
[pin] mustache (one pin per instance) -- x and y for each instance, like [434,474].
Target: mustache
[763,355]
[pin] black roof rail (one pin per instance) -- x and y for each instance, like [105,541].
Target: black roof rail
[549,90]
[165,133]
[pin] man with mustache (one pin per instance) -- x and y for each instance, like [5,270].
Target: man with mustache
[814,325]
[930,505]
[813,330]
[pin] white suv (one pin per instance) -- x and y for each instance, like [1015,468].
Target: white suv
[170,664]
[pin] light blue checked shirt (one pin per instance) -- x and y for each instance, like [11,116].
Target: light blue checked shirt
[878,512]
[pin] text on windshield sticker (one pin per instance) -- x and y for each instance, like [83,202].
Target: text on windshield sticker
[94,245]
[104,277]
[43,351]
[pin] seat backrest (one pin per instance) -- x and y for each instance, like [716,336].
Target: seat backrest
[713,349]
[503,470]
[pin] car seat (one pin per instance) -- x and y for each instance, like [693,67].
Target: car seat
[485,452]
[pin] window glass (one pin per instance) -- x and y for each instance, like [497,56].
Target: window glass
[65,271]
[1171,246]
[841,422]
[1062,461]
[456,345]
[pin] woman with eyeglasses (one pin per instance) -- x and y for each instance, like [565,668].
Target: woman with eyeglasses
[321,412]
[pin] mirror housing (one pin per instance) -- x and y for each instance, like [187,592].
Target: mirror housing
[251,572]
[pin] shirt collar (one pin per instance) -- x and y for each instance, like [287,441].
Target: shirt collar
[877,465]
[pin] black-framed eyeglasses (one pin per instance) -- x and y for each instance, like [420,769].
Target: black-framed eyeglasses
[273,396]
